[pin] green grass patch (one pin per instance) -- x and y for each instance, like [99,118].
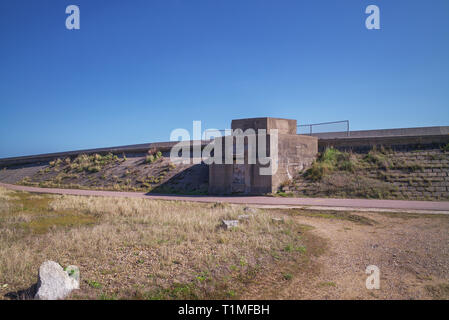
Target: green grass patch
[327,284]
[181,291]
[328,161]
[94,284]
[43,224]
[325,214]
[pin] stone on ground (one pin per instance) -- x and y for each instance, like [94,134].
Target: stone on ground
[54,283]
[229,224]
[249,210]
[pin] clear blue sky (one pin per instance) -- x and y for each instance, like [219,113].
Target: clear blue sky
[138,69]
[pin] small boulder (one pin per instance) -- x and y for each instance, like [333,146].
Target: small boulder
[244,217]
[54,283]
[249,210]
[277,220]
[229,224]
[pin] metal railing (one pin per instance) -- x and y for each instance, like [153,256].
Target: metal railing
[310,127]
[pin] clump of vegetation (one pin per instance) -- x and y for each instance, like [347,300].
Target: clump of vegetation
[446,148]
[378,159]
[55,163]
[171,166]
[25,180]
[410,166]
[92,163]
[328,161]
[153,156]
[93,284]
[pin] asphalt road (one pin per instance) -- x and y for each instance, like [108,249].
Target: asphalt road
[366,204]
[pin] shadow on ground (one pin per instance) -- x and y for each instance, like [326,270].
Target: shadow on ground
[191,181]
[25,294]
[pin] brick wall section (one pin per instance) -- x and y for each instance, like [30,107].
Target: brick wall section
[430,181]
[409,175]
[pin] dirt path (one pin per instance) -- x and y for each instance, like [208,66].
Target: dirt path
[437,206]
[412,254]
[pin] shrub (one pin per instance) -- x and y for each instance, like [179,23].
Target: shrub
[331,159]
[347,165]
[149,159]
[411,167]
[318,171]
[446,147]
[93,169]
[171,166]
[378,159]
[153,156]
[330,155]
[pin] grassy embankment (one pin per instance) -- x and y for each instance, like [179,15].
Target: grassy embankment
[104,172]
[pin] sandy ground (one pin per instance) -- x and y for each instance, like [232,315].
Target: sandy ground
[411,253]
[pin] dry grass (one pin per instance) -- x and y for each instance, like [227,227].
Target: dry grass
[439,291]
[145,249]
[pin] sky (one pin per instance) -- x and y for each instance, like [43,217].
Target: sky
[136,70]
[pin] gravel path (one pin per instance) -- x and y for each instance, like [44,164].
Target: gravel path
[412,254]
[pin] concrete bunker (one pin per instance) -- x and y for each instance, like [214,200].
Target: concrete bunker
[286,152]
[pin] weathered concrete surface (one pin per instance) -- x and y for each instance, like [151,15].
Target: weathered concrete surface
[135,148]
[396,132]
[294,153]
[284,126]
[395,142]
[439,207]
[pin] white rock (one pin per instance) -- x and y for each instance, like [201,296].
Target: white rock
[228,224]
[54,283]
[244,217]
